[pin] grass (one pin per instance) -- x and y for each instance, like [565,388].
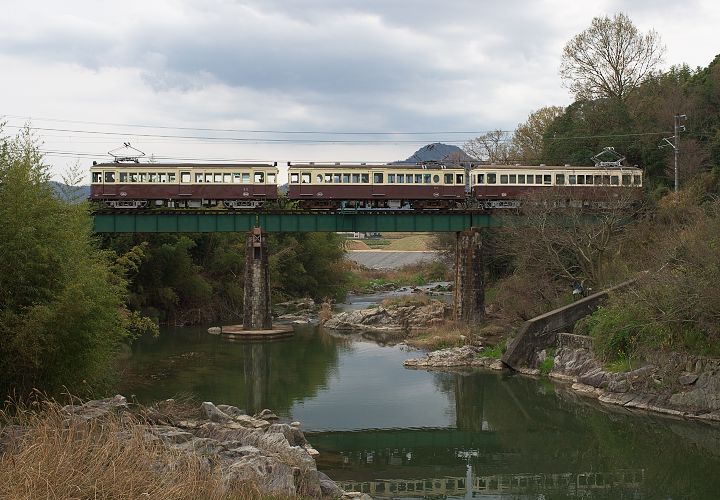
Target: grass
[494,352]
[109,457]
[546,366]
[449,334]
[364,280]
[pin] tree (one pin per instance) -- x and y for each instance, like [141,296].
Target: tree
[62,315]
[493,147]
[610,58]
[527,141]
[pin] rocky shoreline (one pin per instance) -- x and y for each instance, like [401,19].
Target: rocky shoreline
[257,451]
[394,318]
[679,385]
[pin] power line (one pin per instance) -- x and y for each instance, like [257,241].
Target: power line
[253,131]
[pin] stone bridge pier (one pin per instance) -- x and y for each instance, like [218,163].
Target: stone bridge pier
[469,295]
[257,310]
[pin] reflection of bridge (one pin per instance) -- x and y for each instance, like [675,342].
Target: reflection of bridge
[568,482]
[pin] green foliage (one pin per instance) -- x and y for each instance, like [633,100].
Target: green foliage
[547,365]
[494,352]
[60,296]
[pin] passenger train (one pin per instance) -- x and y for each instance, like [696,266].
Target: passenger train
[364,186]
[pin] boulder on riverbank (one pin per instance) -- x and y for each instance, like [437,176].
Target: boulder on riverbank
[165,448]
[675,384]
[399,316]
[454,357]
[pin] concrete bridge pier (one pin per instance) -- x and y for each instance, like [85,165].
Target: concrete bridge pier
[469,277]
[257,310]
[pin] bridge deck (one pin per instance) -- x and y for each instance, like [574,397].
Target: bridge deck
[277,221]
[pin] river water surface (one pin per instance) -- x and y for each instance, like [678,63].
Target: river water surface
[399,433]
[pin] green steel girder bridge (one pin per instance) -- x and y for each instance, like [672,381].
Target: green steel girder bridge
[215,221]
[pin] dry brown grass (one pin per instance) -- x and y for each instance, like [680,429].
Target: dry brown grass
[449,334]
[325,312]
[55,456]
[416,299]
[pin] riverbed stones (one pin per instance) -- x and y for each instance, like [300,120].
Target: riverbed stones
[467,355]
[392,318]
[275,458]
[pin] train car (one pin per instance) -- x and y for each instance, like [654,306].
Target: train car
[502,186]
[177,185]
[393,186]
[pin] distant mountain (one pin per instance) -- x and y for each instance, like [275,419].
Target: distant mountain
[74,194]
[437,152]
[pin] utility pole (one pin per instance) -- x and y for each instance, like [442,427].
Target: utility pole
[675,144]
[676,147]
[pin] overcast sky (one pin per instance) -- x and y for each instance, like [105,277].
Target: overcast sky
[266,68]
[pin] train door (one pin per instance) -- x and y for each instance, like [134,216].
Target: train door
[307,189]
[109,186]
[379,188]
[185,183]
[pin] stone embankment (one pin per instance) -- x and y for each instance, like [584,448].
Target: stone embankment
[392,318]
[455,357]
[675,384]
[273,457]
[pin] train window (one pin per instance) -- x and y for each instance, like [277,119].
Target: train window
[426,178]
[272,178]
[391,178]
[401,178]
[346,178]
[337,178]
[123,176]
[236,178]
[626,179]
[503,179]
[436,178]
[217,178]
[480,178]
[304,177]
[560,179]
[184,176]
[294,178]
[162,178]
[418,178]
[109,176]
[492,178]
[133,177]
[152,177]
[259,177]
[365,178]
[377,178]
[615,180]
[208,177]
[227,178]
[459,178]
[171,177]
[513,179]
[521,179]
[409,178]
[356,178]
[448,179]
[97,177]
[581,179]
[606,179]
[538,179]
[328,177]
[547,179]
[637,180]
[143,177]
[318,178]
[246,177]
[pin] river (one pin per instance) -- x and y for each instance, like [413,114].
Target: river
[399,433]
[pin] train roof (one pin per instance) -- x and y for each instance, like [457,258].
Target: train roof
[367,166]
[182,165]
[552,167]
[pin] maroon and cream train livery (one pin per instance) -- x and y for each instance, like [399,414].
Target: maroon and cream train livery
[415,186]
[140,185]
[500,186]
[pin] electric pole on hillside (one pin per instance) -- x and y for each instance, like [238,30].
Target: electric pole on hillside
[675,144]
